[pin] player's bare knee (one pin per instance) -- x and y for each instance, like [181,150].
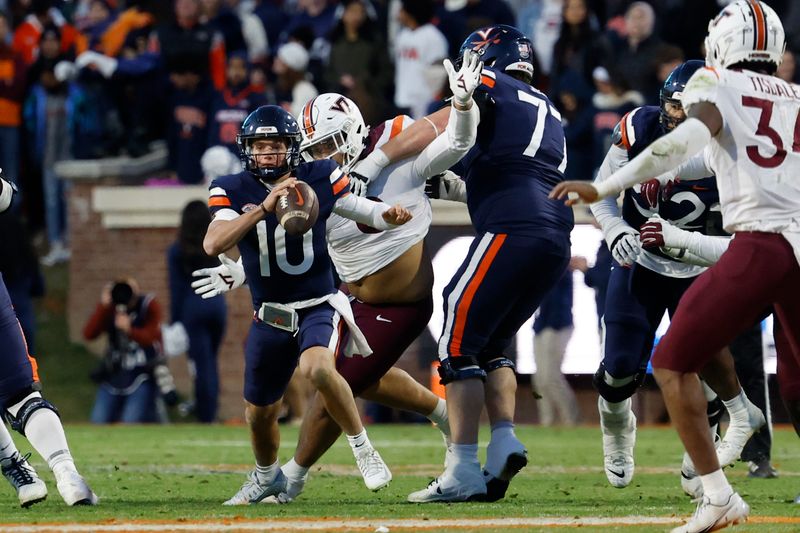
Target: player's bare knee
[261,415]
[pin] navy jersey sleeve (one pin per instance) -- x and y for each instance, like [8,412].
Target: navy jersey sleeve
[220,198]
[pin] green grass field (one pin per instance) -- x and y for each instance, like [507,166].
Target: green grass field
[183,473]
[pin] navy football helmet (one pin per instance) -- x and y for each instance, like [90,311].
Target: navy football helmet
[501,47]
[673,87]
[267,122]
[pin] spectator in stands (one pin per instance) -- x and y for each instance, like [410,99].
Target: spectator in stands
[459,18]
[21,274]
[580,47]
[187,36]
[359,65]
[292,89]
[553,329]
[255,37]
[611,101]
[667,59]
[127,391]
[237,100]
[274,19]
[13,76]
[97,21]
[189,110]
[128,30]
[635,55]
[573,98]
[787,70]
[418,52]
[45,117]
[315,14]
[596,277]
[204,319]
[29,33]
[541,21]
[224,21]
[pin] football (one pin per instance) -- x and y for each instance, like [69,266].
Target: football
[297,211]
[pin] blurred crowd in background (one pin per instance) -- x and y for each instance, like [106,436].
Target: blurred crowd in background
[86,79]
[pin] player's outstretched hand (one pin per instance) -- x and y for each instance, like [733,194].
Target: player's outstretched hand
[575,191]
[465,80]
[397,215]
[216,280]
[281,189]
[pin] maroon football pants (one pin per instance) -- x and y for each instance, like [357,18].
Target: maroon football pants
[757,270]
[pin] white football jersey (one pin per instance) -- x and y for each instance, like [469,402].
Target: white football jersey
[358,251]
[756,155]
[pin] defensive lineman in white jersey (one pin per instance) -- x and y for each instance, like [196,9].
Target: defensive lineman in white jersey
[752,121]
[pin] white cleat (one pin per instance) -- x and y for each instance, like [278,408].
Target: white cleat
[619,439]
[462,485]
[253,492]
[736,436]
[374,471]
[74,489]
[709,517]
[22,476]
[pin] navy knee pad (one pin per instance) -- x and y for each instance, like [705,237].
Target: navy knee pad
[460,368]
[616,394]
[497,363]
[32,405]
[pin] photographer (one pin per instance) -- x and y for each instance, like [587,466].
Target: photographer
[132,372]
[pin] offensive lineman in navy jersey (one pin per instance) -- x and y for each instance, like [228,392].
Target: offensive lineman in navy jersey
[298,310]
[22,405]
[522,248]
[644,283]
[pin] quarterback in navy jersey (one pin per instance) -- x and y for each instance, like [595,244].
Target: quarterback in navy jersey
[521,249]
[298,310]
[22,405]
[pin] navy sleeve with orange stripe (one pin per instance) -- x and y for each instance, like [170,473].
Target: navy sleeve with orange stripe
[218,198]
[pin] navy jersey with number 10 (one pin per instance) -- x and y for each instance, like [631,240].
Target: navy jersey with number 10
[519,156]
[279,267]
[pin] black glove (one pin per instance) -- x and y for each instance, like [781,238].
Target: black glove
[358,184]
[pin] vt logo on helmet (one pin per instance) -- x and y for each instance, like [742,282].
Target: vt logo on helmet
[503,48]
[269,143]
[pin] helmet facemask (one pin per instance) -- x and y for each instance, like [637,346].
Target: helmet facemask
[269,163]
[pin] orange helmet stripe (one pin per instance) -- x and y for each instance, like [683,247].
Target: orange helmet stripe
[760,39]
[308,125]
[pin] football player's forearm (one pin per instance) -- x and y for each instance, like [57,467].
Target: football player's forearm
[664,154]
[696,168]
[363,211]
[704,246]
[448,148]
[223,235]
[416,137]
[606,211]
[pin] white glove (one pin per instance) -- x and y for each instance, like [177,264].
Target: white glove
[65,71]
[464,81]
[626,248]
[358,184]
[7,190]
[217,280]
[104,64]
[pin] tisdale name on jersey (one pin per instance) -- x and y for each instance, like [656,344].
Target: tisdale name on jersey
[775,87]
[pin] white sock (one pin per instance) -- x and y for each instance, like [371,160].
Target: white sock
[615,410]
[359,442]
[294,470]
[266,474]
[716,487]
[46,434]
[466,454]
[737,408]
[439,416]
[7,446]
